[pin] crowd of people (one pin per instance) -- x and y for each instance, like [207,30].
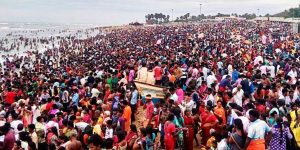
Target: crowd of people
[228,85]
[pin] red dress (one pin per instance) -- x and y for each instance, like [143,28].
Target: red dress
[207,118]
[260,95]
[10,97]
[169,129]
[189,138]
[261,108]
[107,93]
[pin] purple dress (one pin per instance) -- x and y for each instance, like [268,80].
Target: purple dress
[131,75]
[278,141]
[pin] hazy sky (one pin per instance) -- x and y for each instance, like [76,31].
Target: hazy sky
[116,12]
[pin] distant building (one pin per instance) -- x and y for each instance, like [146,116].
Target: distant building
[229,18]
[277,19]
[295,22]
[296,27]
[135,24]
[208,20]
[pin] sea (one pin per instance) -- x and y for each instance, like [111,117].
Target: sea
[11,32]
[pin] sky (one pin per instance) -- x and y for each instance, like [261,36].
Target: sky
[120,12]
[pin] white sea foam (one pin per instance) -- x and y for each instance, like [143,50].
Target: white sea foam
[13,32]
[4,28]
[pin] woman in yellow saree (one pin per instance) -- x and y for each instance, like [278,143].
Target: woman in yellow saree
[295,123]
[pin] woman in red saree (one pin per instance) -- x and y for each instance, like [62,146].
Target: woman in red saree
[189,124]
[202,89]
[169,129]
[131,136]
[209,121]
[107,93]
[260,92]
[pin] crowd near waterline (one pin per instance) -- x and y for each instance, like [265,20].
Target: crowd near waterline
[226,85]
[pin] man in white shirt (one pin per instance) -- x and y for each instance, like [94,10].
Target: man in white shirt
[222,145]
[174,96]
[109,130]
[99,74]
[263,69]
[245,120]
[220,65]
[293,75]
[209,97]
[257,131]
[95,92]
[83,80]
[288,97]
[33,134]
[258,59]
[81,125]
[14,124]
[123,80]
[271,70]
[52,123]
[230,69]
[2,120]
[188,102]
[205,71]
[295,94]
[210,80]
[238,94]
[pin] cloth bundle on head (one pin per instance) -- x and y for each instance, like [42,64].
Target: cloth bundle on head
[211,131]
[99,102]
[107,113]
[21,101]
[274,110]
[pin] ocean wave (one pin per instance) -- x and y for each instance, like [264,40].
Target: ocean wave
[18,28]
[4,28]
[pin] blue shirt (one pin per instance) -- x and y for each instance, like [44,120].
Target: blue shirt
[235,75]
[150,142]
[134,97]
[75,99]
[258,129]
[224,83]
[59,104]
[195,97]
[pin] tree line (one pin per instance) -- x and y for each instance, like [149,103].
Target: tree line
[290,13]
[159,18]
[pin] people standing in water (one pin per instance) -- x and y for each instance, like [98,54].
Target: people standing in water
[204,68]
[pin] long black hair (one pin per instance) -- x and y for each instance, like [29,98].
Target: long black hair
[239,125]
[281,129]
[170,117]
[259,88]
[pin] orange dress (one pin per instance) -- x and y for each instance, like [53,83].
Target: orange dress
[172,78]
[257,145]
[127,117]
[221,113]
